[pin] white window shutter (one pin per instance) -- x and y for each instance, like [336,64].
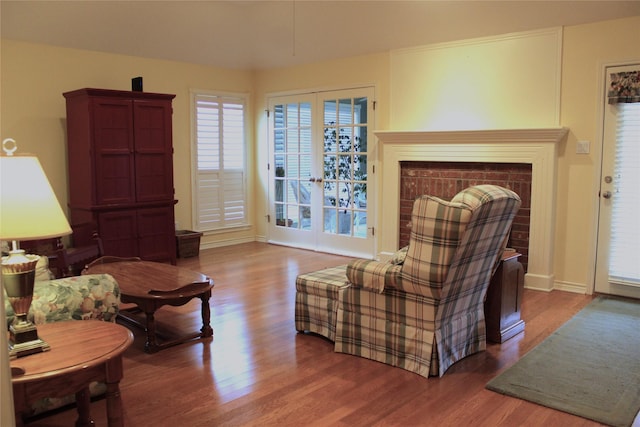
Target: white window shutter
[221,152]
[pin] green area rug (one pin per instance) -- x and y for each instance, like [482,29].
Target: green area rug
[589,367]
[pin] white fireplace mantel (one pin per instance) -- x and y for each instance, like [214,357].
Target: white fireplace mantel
[537,147]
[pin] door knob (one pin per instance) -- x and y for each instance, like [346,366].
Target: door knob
[607,194]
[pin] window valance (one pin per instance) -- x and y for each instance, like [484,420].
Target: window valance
[625,87]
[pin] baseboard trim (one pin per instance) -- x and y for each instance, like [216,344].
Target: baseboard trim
[576,288]
[227,242]
[538,282]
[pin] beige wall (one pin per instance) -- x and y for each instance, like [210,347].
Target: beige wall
[510,81]
[586,49]
[32,108]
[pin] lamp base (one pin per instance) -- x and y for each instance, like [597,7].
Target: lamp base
[24,340]
[18,274]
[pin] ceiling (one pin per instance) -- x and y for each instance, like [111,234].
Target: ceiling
[269,34]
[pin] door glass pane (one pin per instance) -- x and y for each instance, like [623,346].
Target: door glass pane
[330,195]
[345,140]
[330,113]
[344,194]
[344,167]
[304,165]
[292,116]
[292,191]
[305,140]
[305,205]
[344,222]
[279,141]
[330,140]
[360,224]
[360,111]
[292,140]
[330,163]
[329,221]
[305,116]
[292,166]
[345,117]
[360,141]
[360,169]
[292,216]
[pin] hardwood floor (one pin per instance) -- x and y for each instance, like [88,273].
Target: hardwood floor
[258,371]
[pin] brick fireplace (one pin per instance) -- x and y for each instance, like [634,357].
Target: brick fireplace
[446,179]
[535,148]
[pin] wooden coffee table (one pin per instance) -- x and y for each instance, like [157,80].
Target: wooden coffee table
[81,352]
[151,285]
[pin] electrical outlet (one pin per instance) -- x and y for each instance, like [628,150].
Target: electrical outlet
[582,147]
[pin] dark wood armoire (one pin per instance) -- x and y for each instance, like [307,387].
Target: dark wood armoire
[120,161]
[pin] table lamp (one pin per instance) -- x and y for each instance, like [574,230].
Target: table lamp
[29,210]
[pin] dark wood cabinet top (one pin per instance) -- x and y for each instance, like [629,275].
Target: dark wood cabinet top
[117,94]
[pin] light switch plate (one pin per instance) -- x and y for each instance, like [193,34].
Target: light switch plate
[582,147]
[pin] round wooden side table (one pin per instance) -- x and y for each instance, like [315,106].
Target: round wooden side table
[81,352]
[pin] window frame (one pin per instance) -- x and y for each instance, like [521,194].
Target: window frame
[224,225]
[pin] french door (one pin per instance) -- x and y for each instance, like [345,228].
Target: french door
[320,171]
[618,248]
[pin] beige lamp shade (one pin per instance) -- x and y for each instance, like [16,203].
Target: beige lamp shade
[29,209]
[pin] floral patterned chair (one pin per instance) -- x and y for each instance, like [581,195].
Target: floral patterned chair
[90,297]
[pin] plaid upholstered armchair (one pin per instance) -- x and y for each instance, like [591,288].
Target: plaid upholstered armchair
[426,312]
[424,309]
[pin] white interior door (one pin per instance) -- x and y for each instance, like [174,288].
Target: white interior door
[347,153]
[618,248]
[320,170]
[292,166]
